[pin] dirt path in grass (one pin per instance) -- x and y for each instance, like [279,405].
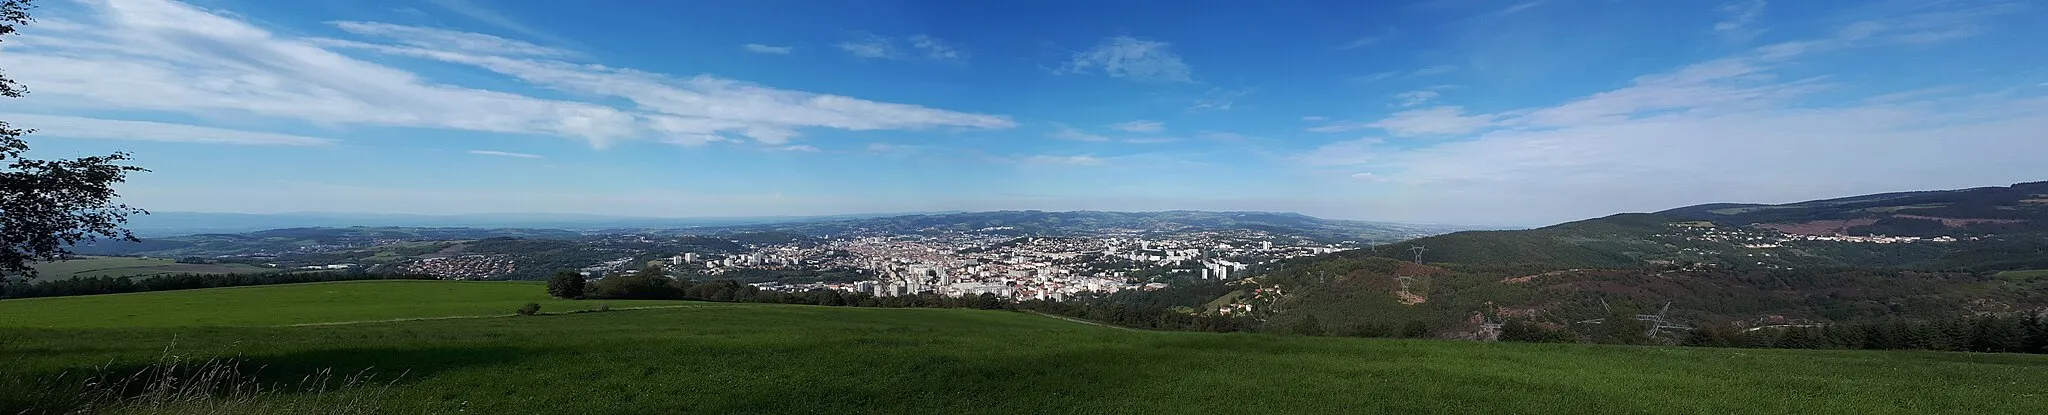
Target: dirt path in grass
[1076,320]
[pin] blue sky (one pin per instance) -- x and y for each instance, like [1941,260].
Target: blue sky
[1447,111]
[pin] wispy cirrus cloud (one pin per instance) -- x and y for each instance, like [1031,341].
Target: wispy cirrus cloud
[868,46]
[95,128]
[165,56]
[1066,132]
[492,17]
[505,154]
[1417,97]
[767,49]
[1076,160]
[1131,58]
[1139,126]
[872,46]
[1219,99]
[1740,24]
[1732,128]
[1368,40]
[443,39]
[934,48]
[1416,73]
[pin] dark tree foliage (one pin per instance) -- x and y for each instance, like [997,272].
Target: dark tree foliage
[639,286]
[1988,334]
[1531,332]
[1307,326]
[48,205]
[566,284]
[528,309]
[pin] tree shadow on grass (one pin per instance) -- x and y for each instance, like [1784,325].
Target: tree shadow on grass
[309,372]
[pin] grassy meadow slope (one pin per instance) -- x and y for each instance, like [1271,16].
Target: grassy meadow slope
[722,358]
[133,266]
[276,305]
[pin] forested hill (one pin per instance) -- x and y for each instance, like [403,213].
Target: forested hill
[1990,228]
[2020,208]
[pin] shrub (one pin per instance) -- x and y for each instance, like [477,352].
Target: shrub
[529,309]
[604,307]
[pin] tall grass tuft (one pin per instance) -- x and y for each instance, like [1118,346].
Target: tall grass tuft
[179,385]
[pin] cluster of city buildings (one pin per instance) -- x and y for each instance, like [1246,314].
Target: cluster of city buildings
[1762,239]
[463,267]
[991,261]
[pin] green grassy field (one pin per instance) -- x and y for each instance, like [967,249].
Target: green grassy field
[2023,275]
[276,305]
[742,358]
[133,266]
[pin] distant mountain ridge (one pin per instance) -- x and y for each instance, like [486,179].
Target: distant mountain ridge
[1064,223]
[307,241]
[2020,208]
[1882,257]
[160,224]
[1994,228]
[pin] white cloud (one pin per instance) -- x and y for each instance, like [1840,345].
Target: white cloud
[869,46]
[1414,98]
[1139,126]
[96,128]
[1729,129]
[934,48]
[505,154]
[155,55]
[1131,58]
[1064,132]
[1741,21]
[802,148]
[771,50]
[441,39]
[1080,160]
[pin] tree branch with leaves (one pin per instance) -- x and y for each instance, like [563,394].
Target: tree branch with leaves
[46,206]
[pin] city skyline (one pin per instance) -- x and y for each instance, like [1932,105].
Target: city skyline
[1439,111]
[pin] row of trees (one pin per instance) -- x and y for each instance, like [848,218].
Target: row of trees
[1988,334]
[116,285]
